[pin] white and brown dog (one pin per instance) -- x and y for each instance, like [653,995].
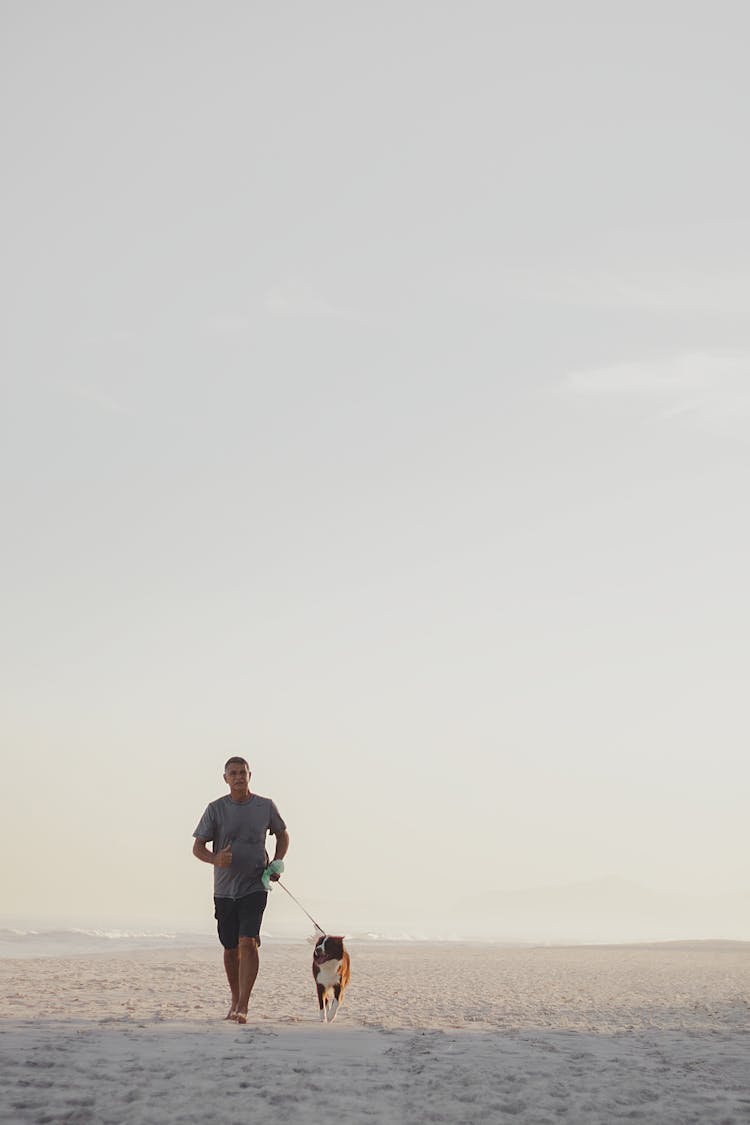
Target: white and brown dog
[331,974]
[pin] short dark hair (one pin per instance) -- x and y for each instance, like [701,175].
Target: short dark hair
[235,762]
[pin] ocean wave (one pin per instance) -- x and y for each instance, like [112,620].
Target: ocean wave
[74,941]
[18,942]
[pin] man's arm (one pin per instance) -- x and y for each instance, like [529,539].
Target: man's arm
[282,844]
[220,859]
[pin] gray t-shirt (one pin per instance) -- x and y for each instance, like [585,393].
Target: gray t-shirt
[243,825]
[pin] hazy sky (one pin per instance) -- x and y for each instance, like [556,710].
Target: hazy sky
[376,405]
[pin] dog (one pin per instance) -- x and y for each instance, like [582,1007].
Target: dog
[330,969]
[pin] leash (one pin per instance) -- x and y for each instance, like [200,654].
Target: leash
[279,883]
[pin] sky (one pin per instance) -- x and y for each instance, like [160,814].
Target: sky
[376,405]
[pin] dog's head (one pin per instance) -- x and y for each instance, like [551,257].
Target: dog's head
[329,948]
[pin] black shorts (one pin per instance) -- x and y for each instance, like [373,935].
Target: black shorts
[239,917]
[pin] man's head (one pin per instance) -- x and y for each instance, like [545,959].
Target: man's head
[236,762]
[237,776]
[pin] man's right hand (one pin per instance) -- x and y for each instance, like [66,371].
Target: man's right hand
[224,857]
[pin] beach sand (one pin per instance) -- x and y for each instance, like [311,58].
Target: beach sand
[427,1032]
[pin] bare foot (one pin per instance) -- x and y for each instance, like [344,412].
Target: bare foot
[231,1014]
[241,1017]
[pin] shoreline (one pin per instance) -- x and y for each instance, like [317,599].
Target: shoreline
[40,944]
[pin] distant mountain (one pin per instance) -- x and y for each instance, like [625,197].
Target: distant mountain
[605,910]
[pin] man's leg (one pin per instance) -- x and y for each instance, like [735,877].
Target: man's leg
[248,971]
[232,969]
[250,913]
[226,915]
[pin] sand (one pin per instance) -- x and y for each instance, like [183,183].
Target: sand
[433,1033]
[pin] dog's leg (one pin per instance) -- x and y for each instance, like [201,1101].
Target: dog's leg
[335,1003]
[322,1002]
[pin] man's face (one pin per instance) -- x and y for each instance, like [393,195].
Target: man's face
[237,777]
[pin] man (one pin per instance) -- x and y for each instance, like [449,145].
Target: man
[236,826]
